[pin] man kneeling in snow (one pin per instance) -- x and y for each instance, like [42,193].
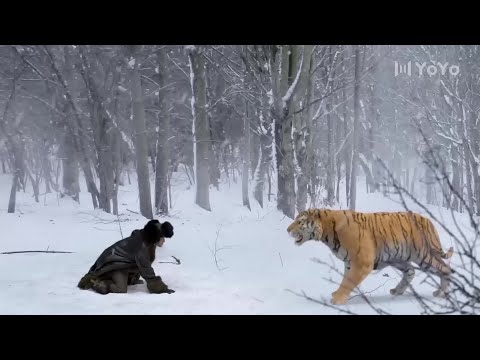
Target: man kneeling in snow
[122,263]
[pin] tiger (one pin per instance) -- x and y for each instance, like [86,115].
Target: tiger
[372,241]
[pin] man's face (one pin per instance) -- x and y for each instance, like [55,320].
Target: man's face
[161,242]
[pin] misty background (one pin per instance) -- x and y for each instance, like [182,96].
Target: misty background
[311,119]
[295,126]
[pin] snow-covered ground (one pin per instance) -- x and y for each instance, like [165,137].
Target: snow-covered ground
[255,266]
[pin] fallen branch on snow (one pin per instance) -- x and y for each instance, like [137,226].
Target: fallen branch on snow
[37,251]
[177,261]
[215,251]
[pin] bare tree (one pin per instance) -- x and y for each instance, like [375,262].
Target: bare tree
[286,76]
[201,134]
[355,135]
[301,65]
[71,185]
[161,166]
[140,135]
[10,129]
[246,159]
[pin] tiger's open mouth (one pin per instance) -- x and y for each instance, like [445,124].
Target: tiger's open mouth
[299,239]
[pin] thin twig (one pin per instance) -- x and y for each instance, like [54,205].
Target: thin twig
[216,250]
[37,251]
[120,226]
[362,294]
[254,298]
[369,292]
[176,262]
[102,229]
[321,302]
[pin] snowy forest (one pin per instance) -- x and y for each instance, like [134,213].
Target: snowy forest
[295,126]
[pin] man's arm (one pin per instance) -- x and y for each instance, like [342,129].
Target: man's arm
[155,283]
[144,266]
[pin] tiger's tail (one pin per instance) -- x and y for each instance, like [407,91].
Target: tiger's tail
[448,254]
[438,247]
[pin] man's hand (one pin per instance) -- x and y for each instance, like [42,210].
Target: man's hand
[157,286]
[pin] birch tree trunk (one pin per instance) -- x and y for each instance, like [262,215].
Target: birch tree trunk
[311,168]
[76,128]
[13,195]
[116,139]
[200,128]
[46,167]
[246,158]
[102,126]
[300,65]
[14,142]
[338,151]
[330,138]
[330,156]
[265,135]
[455,178]
[347,152]
[429,180]
[265,157]
[461,180]
[468,173]
[161,166]
[71,182]
[356,110]
[141,146]
[283,138]
[475,146]
[116,158]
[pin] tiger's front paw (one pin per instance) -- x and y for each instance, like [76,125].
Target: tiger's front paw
[338,298]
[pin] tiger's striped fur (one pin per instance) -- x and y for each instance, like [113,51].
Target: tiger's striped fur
[373,241]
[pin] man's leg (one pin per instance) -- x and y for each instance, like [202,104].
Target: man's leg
[120,282]
[134,278]
[101,286]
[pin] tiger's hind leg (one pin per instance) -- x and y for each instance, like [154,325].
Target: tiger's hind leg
[444,273]
[408,273]
[434,264]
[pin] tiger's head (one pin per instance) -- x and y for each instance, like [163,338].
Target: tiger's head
[305,227]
